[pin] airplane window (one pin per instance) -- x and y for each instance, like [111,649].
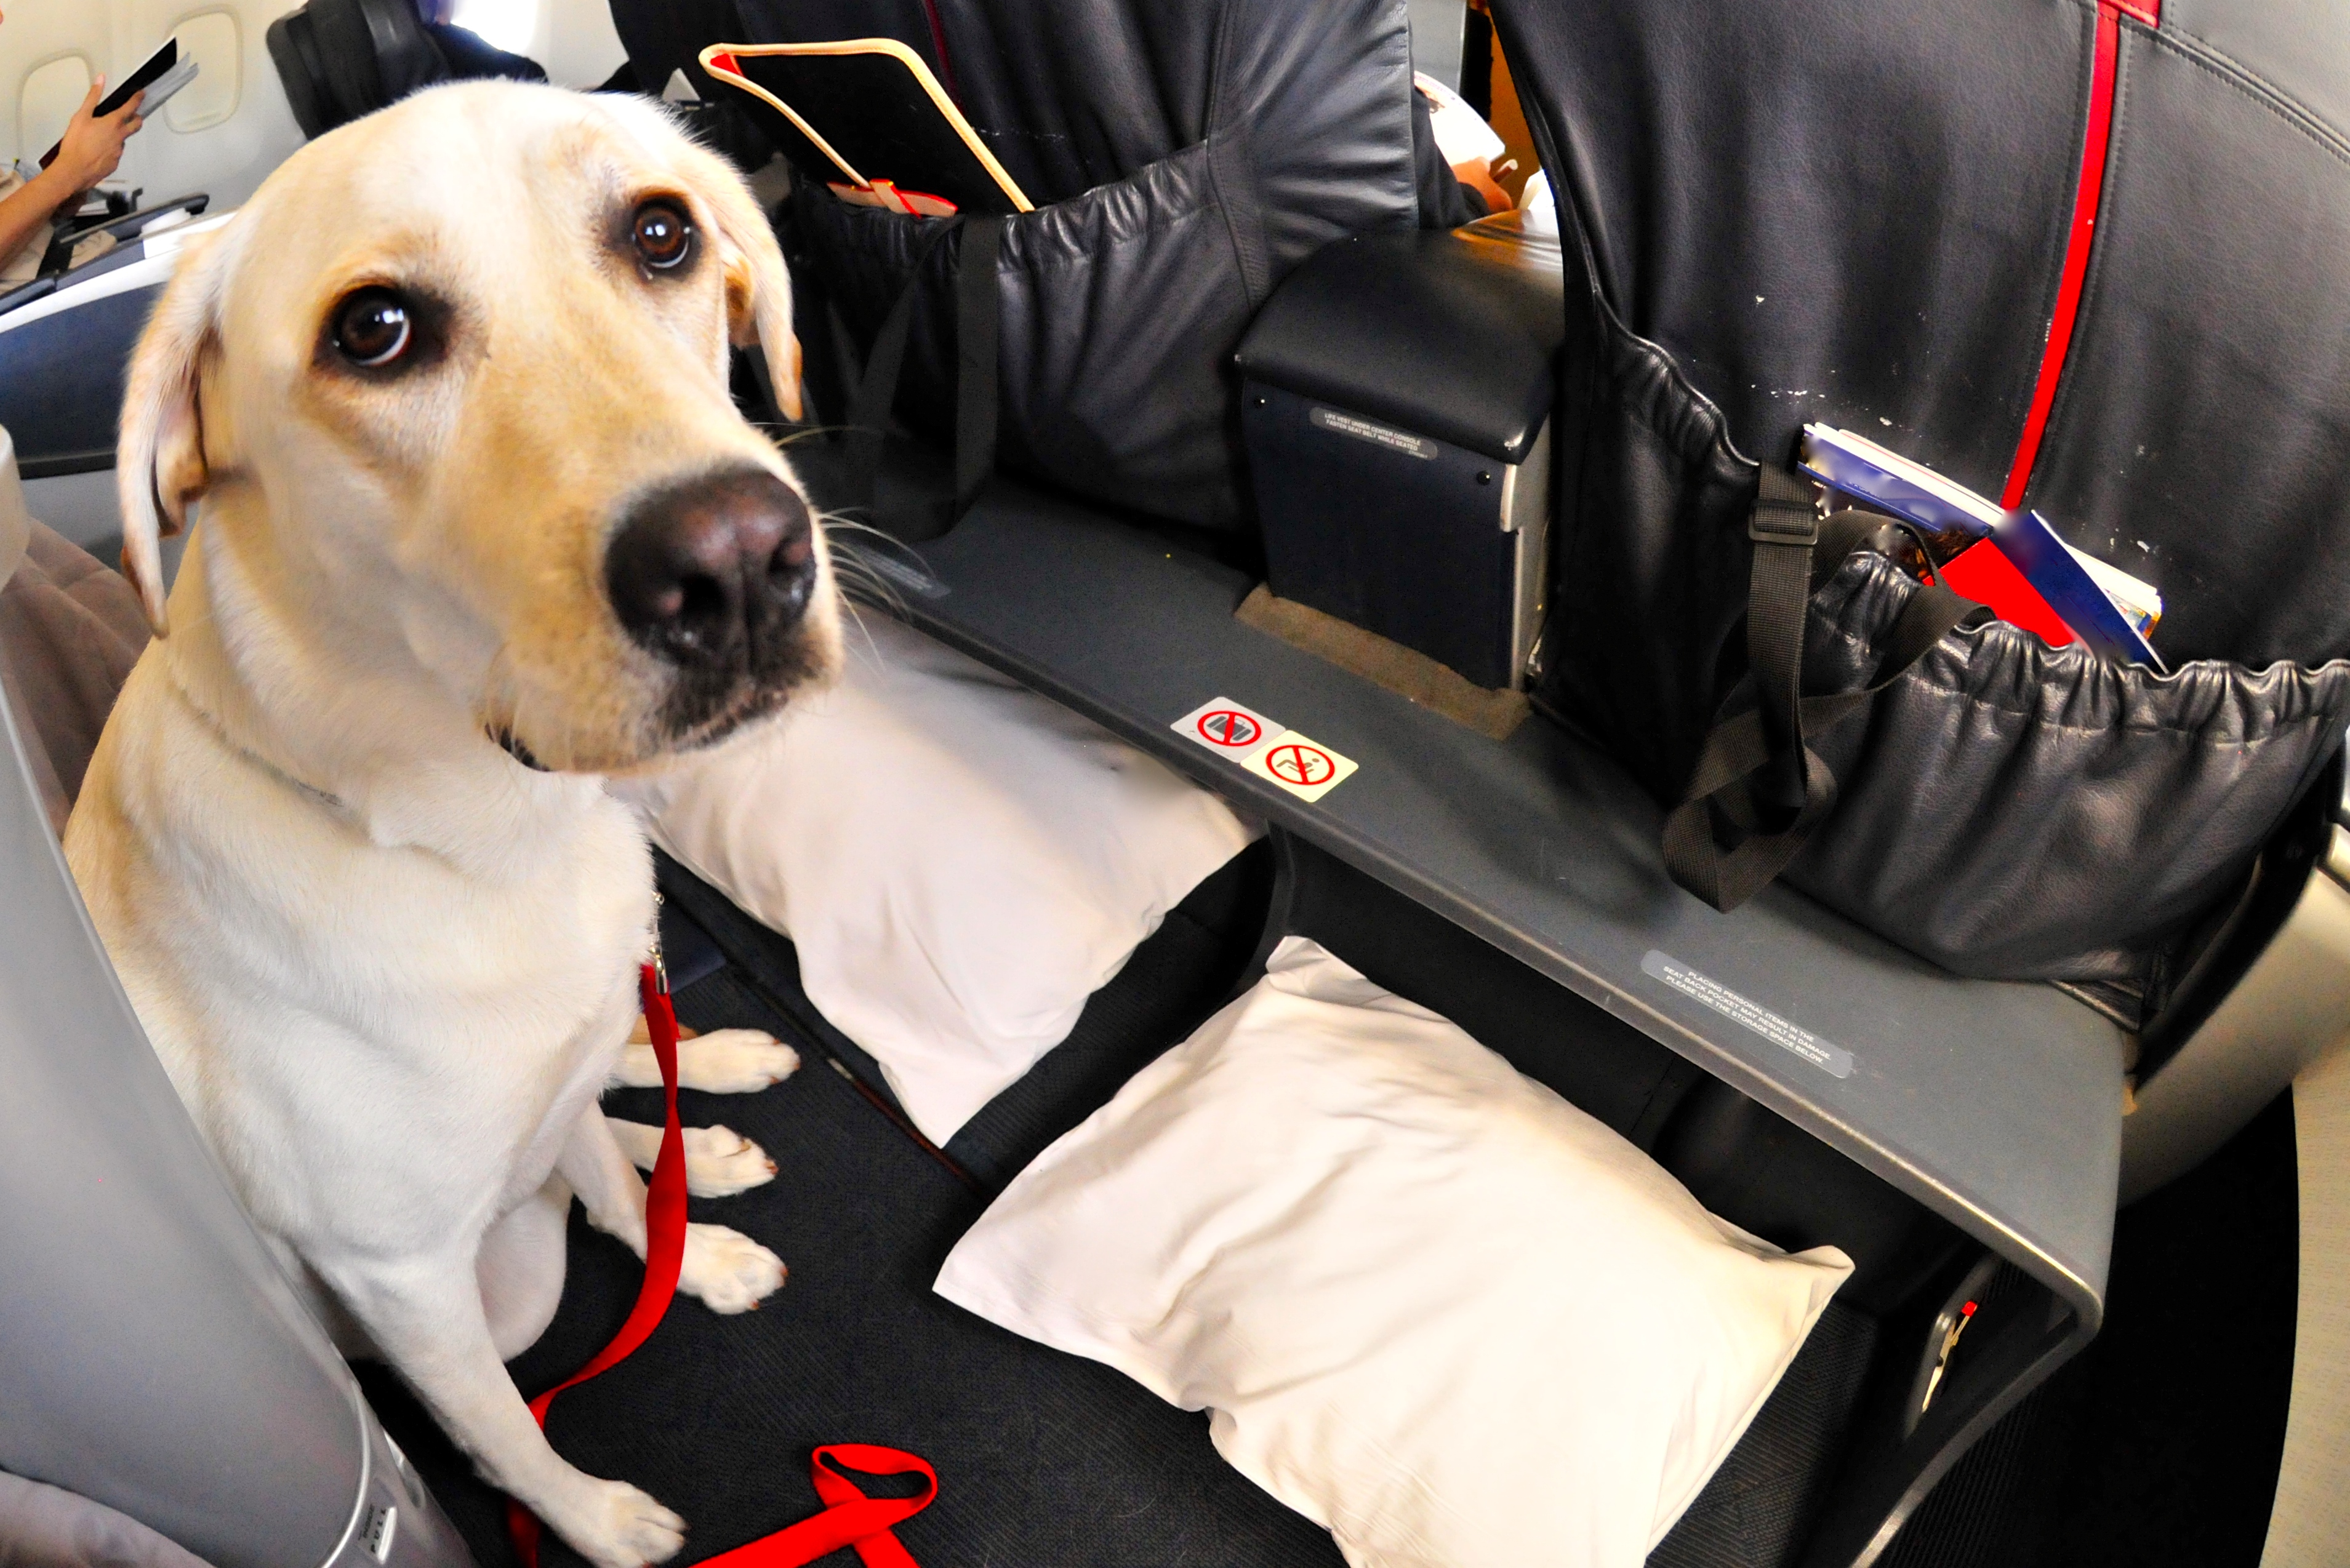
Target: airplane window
[52,91]
[507,25]
[212,41]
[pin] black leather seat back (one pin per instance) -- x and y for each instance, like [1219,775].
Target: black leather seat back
[1182,157]
[342,58]
[1071,95]
[666,36]
[2070,253]
[1860,215]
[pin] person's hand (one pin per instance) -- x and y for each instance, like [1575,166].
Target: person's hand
[92,148]
[1478,175]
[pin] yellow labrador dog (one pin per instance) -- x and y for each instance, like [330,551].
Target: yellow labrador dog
[480,525]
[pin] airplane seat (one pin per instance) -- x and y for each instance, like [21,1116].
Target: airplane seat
[339,60]
[342,58]
[1041,96]
[158,1375]
[1176,160]
[664,43]
[2084,353]
[66,339]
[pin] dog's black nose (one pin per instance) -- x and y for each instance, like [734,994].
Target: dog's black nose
[704,571]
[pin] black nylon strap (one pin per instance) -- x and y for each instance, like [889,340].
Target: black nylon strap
[1784,527]
[877,393]
[1757,740]
[978,322]
[1735,747]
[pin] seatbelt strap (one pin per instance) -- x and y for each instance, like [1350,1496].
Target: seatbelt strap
[850,1517]
[1784,527]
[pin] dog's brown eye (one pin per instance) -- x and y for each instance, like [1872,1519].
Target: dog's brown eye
[372,328]
[663,237]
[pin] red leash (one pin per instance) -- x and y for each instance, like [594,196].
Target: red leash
[850,1517]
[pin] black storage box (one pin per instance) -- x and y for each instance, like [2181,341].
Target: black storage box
[1396,394]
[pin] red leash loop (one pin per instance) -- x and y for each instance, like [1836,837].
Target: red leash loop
[850,1517]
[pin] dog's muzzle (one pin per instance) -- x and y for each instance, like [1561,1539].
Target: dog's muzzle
[713,575]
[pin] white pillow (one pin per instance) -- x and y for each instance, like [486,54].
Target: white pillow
[959,861]
[1433,1306]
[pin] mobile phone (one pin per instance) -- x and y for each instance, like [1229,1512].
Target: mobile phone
[152,67]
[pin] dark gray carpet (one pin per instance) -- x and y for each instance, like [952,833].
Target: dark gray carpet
[1043,1458]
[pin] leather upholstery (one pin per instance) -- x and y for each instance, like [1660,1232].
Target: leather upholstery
[1856,215]
[339,60]
[1071,94]
[1432,331]
[376,51]
[1184,155]
[1860,215]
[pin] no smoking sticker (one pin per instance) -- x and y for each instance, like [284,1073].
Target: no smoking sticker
[1306,769]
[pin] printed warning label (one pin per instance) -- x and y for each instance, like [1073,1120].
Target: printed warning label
[1832,1059]
[1306,769]
[1388,436]
[1227,728]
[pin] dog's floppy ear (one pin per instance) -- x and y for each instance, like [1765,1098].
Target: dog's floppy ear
[758,285]
[159,466]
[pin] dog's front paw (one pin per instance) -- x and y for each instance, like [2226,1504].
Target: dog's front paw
[623,1528]
[727,1270]
[721,1162]
[735,1061]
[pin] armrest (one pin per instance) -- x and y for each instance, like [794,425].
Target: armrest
[129,226]
[2269,997]
[1446,334]
[25,293]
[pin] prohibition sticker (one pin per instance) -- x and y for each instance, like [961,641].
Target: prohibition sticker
[1228,729]
[1306,769]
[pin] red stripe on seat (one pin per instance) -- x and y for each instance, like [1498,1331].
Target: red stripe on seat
[2076,248]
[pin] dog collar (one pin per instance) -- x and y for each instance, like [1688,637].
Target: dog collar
[333,802]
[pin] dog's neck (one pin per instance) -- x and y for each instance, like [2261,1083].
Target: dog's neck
[376,739]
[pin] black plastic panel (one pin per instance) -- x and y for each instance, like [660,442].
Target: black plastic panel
[1386,529]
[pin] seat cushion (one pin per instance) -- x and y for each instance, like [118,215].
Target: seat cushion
[960,862]
[70,630]
[1431,1304]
